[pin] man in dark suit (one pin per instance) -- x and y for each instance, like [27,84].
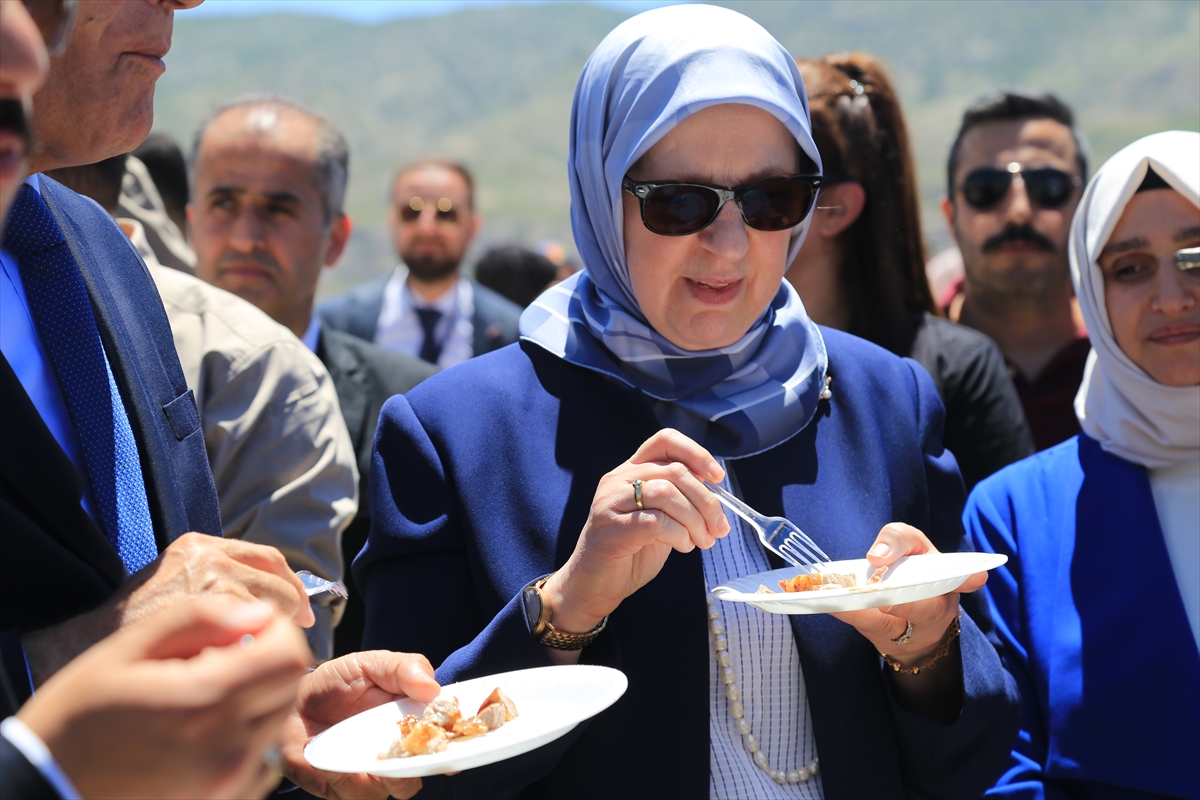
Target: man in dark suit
[266,218]
[425,308]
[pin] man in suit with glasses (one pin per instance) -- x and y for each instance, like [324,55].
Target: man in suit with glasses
[425,307]
[1016,172]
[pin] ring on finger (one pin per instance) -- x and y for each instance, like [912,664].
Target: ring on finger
[905,637]
[637,495]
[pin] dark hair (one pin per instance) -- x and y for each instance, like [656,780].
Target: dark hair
[333,153]
[860,132]
[515,272]
[100,181]
[1008,105]
[164,160]
[443,163]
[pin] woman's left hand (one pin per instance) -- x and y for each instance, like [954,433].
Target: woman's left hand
[930,618]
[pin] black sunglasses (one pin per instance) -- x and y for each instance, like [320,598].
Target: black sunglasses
[1047,187]
[676,208]
[54,20]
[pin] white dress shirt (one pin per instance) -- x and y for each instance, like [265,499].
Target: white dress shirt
[23,349]
[767,664]
[399,328]
[1176,493]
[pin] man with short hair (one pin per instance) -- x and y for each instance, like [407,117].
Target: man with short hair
[269,178]
[426,308]
[1016,172]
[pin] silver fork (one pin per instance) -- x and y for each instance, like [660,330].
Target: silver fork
[314,585]
[780,536]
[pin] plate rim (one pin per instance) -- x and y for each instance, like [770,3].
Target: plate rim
[410,768]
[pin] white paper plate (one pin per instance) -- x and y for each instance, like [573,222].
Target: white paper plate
[910,579]
[550,700]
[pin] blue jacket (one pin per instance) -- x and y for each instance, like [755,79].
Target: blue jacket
[482,480]
[1094,628]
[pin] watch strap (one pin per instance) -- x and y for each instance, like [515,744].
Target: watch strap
[549,636]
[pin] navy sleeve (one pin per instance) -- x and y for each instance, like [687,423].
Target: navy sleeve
[964,758]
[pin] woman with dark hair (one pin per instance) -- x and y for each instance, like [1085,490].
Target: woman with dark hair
[862,267]
[544,504]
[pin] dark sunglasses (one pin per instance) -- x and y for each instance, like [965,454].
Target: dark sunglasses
[1047,187]
[675,208]
[444,209]
[54,20]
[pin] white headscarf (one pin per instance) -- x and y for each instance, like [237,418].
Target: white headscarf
[1129,413]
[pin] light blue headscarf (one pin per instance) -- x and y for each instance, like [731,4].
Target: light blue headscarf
[649,74]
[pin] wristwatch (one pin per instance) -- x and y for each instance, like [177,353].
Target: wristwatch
[537,617]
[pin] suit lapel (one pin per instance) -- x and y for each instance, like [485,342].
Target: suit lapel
[36,468]
[134,329]
[350,382]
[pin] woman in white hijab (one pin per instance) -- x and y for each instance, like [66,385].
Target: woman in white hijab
[545,501]
[1099,604]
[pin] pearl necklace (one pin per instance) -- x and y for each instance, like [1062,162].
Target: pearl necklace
[738,712]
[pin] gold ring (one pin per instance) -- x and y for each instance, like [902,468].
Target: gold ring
[905,637]
[637,495]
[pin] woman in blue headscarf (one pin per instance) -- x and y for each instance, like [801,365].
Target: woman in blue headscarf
[514,529]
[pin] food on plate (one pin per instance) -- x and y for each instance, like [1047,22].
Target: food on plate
[443,722]
[825,580]
[812,583]
[763,590]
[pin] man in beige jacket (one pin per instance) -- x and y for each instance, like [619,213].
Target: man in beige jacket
[281,458]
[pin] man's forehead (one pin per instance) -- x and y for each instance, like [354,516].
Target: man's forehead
[1032,142]
[234,155]
[430,181]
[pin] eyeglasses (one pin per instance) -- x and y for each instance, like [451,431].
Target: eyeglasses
[54,20]
[444,209]
[1188,259]
[675,208]
[1047,187]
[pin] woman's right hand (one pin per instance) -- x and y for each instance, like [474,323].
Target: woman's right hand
[622,548]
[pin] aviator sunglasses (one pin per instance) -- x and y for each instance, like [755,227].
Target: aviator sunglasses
[444,209]
[54,20]
[677,208]
[1046,187]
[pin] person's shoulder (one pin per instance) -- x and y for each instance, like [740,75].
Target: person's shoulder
[398,372]
[855,363]
[246,327]
[368,292]
[495,307]
[1053,467]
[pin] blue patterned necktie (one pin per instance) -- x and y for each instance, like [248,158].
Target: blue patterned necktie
[430,347]
[62,314]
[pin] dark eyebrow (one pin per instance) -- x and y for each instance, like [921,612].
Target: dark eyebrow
[231,190]
[283,197]
[1124,246]
[1188,233]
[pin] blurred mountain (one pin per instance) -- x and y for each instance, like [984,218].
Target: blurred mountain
[493,86]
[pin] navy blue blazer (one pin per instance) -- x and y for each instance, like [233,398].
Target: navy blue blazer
[59,562]
[484,475]
[1099,644]
[357,313]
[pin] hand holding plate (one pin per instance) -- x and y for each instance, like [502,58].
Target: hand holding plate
[339,689]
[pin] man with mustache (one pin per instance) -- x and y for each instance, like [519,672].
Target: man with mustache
[1016,172]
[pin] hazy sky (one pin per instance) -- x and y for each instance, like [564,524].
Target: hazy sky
[378,10]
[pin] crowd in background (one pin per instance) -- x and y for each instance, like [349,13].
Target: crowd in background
[186,427]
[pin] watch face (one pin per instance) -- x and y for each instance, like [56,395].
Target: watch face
[532,600]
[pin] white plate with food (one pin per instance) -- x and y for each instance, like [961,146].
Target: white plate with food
[854,585]
[498,717]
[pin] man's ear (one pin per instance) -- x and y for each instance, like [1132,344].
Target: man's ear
[339,235]
[948,213]
[476,223]
[840,205]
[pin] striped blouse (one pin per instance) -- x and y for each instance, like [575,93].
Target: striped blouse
[768,671]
